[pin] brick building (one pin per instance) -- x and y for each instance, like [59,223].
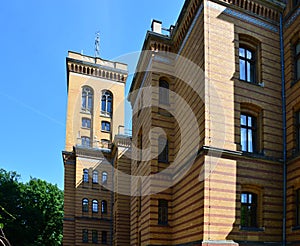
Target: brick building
[216,133]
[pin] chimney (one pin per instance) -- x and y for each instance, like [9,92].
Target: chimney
[156,26]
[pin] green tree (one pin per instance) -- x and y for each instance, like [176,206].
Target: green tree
[37,207]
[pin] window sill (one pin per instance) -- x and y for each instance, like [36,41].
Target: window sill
[296,228]
[105,131]
[85,111]
[164,162]
[85,128]
[164,224]
[106,115]
[259,84]
[254,229]
[294,82]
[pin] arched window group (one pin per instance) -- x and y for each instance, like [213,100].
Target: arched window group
[95,206]
[95,176]
[87,103]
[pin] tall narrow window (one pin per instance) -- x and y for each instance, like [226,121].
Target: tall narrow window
[85,205]
[247,65]
[104,237]
[85,142]
[106,103]
[94,236]
[95,206]
[104,207]
[86,123]
[295,3]
[105,126]
[248,209]
[297,130]
[162,212]
[297,61]
[95,177]
[87,99]
[248,133]
[85,236]
[140,146]
[104,177]
[163,92]
[85,175]
[163,149]
[297,205]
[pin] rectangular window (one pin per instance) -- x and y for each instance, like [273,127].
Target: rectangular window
[295,3]
[248,210]
[162,212]
[94,236]
[86,123]
[105,126]
[163,150]
[297,130]
[247,65]
[85,141]
[85,236]
[104,237]
[248,133]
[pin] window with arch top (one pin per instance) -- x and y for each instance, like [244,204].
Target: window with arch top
[85,205]
[104,207]
[106,103]
[104,177]
[87,99]
[164,92]
[297,60]
[163,149]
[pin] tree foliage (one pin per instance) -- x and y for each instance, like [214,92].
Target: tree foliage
[32,212]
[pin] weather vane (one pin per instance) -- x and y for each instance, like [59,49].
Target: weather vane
[97,44]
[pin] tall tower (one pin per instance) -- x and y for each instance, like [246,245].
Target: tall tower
[95,112]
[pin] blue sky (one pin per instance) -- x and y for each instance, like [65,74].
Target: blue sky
[35,38]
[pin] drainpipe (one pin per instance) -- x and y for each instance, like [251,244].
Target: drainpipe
[284,129]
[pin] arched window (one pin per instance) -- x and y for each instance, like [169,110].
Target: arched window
[95,177]
[87,99]
[105,126]
[163,149]
[106,103]
[163,92]
[85,142]
[104,207]
[95,206]
[85,175]
[104,177]
[85,205]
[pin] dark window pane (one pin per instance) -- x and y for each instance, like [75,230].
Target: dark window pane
[85,236]
[94,237]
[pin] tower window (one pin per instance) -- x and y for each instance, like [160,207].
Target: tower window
[94,236]
[85,205]
[162,212]
[104,207]
[87,99]
[95,177]
[248,209]
[85,175]
[297,130]
[247,65]
[105,126]
[85,142]
[86,123]
[95,206]
[163,149]
[248,133]
[106,103]
[104,177]
[85,236]
[163,92]
[297,60]
[104,237]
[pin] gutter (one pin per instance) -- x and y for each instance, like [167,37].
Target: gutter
[284,128]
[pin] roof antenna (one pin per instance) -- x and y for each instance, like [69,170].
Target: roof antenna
[97,44]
